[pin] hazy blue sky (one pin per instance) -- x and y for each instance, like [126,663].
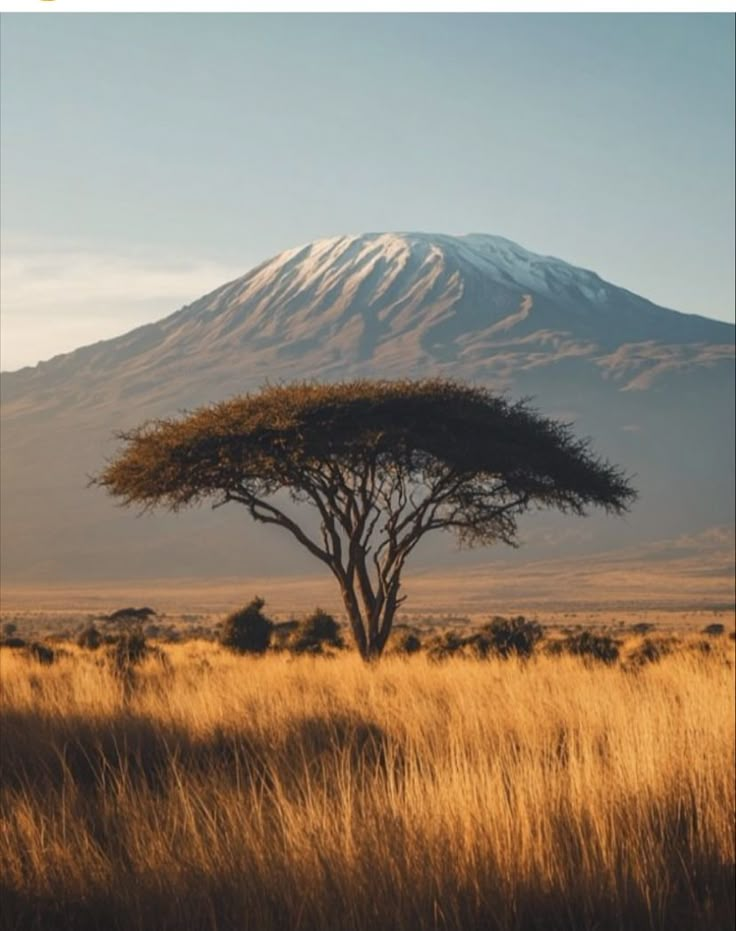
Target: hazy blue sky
[147,158]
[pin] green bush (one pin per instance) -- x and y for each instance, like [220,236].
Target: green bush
[316,632]
[714,630]
[41,653]
[556,646]
[651,651]
[14,643]
[408,644]
[598,647]
[90,638]
[480,646]
[509,636]
[444,646]
[128,650]
[247,630]
[131,614]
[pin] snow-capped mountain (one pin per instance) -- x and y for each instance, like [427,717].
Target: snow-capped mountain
[367,304]
[652,386]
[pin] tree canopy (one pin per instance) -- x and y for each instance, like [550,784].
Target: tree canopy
[382,462]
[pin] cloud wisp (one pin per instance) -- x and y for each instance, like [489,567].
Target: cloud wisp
[56,299]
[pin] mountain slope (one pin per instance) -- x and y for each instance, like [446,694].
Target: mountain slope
[653,387]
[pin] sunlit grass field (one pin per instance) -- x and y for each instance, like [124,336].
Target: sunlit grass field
[217,791]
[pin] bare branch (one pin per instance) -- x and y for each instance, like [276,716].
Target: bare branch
[267,513]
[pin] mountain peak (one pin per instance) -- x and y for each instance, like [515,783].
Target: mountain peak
[478,307]
[485,253]
[446,290]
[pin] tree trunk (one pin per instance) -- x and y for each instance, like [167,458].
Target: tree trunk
[356,621]
[371,615]
[387,624]
[370,645]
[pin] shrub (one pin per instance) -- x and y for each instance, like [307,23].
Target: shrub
[556,646]
[643,627]
[315,632]
[408,643]
[593,646]
[714,630]
[479,645]
[651,651]
[9,628]
[131,614]
[41,653]
[247,630]
[444,646]
[15,643]
[90,638]
[128,650]
[510,635]
[169,634]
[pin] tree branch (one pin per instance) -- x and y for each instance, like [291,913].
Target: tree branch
[267,513]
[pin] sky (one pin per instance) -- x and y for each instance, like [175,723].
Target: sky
[149,158]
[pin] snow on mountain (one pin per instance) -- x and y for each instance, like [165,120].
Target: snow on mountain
[375,288]
[652,387]
[477,306]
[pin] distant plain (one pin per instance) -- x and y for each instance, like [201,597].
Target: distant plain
[680,582]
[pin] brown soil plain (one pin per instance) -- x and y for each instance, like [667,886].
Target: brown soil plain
[197,788]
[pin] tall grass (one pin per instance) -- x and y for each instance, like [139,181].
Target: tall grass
[227,792]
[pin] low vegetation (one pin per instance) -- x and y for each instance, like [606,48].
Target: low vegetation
[247,630]
[531,780]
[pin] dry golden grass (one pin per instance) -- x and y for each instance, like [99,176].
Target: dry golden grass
[224,792]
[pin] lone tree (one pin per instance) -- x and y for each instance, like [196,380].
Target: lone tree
[382,462]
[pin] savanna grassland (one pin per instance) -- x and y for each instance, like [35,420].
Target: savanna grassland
[210,790]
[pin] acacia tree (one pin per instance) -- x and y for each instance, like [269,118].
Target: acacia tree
[382,462]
